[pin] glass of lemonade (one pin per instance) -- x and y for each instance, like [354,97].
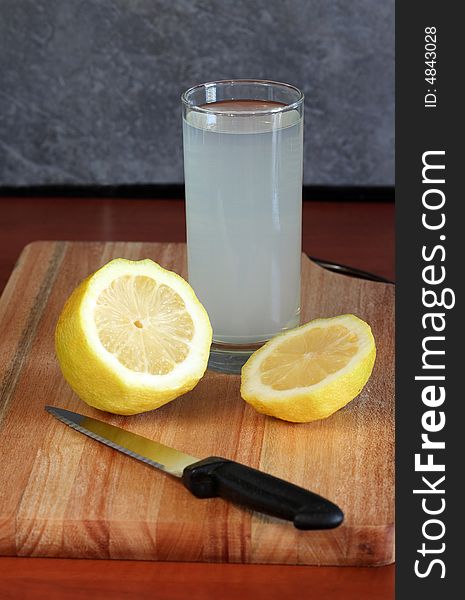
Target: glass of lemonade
[243,174]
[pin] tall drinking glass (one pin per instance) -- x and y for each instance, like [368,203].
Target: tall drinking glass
[243,174]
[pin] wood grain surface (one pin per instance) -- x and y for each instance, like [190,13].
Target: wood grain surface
[360,234]
[64,495]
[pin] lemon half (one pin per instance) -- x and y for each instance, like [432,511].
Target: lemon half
[132,337]
[312,371]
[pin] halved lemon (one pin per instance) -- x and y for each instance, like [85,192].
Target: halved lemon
[132,337]
[312,371]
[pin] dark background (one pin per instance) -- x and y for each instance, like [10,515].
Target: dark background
[89,90]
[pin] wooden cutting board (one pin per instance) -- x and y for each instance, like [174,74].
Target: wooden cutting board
[64,495]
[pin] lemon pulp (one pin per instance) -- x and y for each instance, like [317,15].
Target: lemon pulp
[308,359]
[144,324]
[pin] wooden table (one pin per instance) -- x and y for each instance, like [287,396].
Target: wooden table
[359,234]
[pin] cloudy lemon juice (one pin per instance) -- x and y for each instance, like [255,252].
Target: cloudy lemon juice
[243,173]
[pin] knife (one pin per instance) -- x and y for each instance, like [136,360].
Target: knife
[214,477]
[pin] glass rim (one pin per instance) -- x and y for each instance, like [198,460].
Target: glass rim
[264,82]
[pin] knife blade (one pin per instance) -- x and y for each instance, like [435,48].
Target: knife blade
[214,476]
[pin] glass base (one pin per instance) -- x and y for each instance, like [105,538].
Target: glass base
[227,358]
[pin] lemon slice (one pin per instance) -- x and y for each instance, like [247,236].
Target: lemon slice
[132,337]
[312,371]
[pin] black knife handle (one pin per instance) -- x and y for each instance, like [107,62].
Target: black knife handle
[259,491]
